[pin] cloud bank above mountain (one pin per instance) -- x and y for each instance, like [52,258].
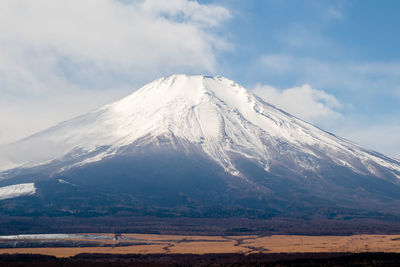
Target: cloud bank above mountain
[305,102]
[52,52]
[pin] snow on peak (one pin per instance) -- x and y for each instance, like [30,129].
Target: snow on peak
[213,113]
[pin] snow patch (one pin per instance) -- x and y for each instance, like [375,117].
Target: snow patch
[17,190]
[56,236]
[395,174]
[61,181]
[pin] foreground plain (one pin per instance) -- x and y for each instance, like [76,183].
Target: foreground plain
[71,245]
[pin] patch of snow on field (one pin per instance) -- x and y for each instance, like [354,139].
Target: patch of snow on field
[56,236]
[17,190]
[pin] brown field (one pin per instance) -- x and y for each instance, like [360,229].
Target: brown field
[181,244]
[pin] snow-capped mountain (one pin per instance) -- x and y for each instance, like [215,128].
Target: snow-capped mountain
[213,113]
[217,126]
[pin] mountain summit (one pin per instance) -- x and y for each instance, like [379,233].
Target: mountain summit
[191,144]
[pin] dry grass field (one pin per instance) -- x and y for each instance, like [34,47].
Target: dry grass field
[180,244]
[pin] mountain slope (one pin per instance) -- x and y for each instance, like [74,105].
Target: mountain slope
[199,141]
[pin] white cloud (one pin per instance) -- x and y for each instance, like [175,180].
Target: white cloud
[305,102]
[361,83]
[323,109]
[105,36]
[71,50]
[203,15]
[366,77]
[381,137]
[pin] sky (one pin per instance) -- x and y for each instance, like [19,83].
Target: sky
[335,64]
